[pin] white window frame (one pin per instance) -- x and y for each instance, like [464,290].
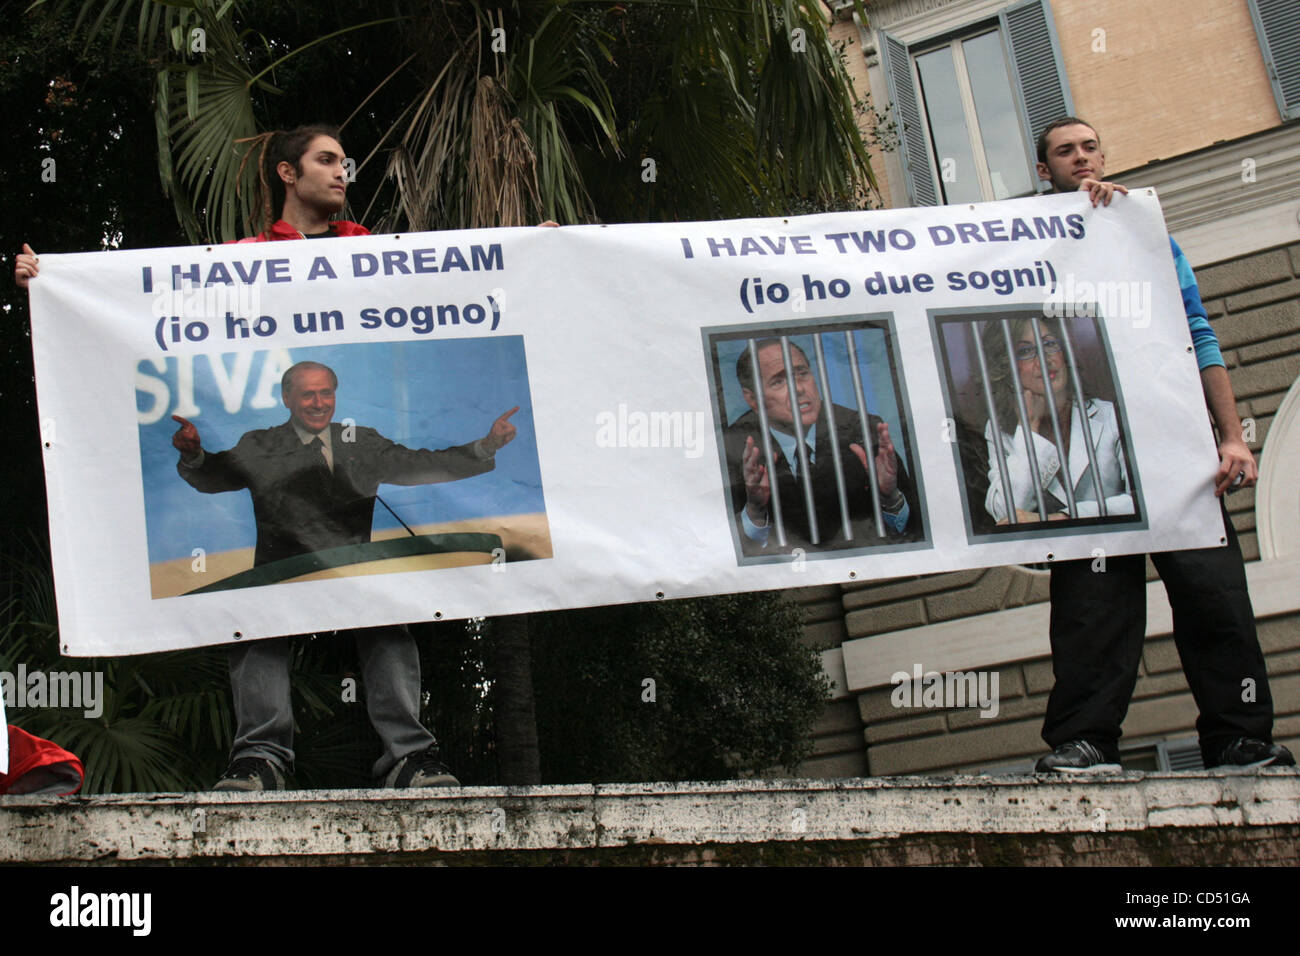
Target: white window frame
[975,136]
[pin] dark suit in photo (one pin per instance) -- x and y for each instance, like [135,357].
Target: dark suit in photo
[300,506]
[848,427]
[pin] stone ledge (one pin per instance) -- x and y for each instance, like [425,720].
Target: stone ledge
[573,823]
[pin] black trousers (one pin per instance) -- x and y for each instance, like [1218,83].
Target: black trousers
[1097,631]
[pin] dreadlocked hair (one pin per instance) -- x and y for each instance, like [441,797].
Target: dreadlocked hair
[273,148]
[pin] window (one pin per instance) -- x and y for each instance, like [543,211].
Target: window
[970,106]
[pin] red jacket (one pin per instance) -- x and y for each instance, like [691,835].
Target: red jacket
[282,230]
[39,766]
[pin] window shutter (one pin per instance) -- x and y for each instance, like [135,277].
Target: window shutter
[1277,22]
[1041,90]
[915,152]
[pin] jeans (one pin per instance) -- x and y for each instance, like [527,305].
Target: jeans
[390,675]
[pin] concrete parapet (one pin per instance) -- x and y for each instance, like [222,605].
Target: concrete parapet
[1200,818]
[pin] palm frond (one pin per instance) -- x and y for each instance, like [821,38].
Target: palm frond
[130,755]
[502,178]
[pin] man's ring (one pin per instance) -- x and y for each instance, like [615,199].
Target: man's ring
[1241,476]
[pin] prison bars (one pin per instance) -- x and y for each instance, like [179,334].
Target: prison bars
[773,491]
[840,490]
[1086,426]
[1063,462]
[1083,417]
[801,445]
[993,418]
[868,438]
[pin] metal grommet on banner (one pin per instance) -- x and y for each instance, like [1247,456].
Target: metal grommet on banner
[1050,556]
[437,615]
[853,574]
[238,635]
[659,595]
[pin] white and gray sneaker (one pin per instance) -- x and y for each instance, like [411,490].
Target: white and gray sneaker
[419,770]
[251,773]
[1251,753]
[1077,756]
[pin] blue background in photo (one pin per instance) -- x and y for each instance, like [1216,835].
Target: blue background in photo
[418,394]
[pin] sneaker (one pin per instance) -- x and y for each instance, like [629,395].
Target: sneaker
[417,770]
[251,773]
[1251,753]
[1076,756]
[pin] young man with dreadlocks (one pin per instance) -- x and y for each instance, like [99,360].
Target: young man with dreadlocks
[302,185]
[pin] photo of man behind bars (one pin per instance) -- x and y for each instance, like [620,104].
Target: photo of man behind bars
[817,450]
[1037,419]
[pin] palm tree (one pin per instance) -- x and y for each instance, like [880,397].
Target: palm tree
[507,114]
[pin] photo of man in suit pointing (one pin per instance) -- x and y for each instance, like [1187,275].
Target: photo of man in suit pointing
[313,481]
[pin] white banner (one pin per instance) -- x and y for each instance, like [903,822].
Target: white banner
[639,470]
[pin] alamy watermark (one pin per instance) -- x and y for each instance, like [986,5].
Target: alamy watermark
[951,689]
[83,690]
[76,908]
[631,428]
[1118,301]
[226,302]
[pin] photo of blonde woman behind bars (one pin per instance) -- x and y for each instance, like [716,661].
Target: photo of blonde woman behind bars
[1036,420]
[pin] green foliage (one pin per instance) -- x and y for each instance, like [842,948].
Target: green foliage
[486,114]
[211,68]
[165,717]
[735,691]
[90,115]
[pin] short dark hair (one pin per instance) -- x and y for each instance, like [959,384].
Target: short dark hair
[286,381]
[1057,124]
[744,370]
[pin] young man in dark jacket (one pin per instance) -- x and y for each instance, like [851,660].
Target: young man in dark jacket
[1099,619]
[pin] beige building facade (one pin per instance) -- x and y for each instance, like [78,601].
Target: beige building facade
[1199,99]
